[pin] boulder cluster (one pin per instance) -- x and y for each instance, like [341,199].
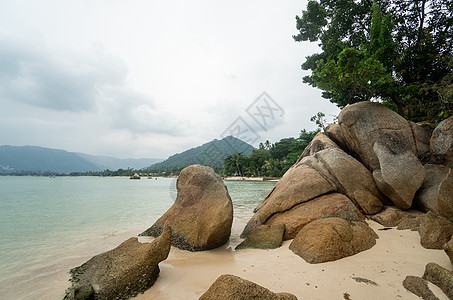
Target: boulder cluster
[373,164]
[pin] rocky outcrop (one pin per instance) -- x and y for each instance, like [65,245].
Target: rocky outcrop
[135,176]
[400,173]
[332,238]
[436,193]
[441,143]
[264,237]
[202,214]
[234,287]
[435,231]
[121,273]
[419,287]
[448,247]
[441,277]
[391,216]
[334,133]
[326,206]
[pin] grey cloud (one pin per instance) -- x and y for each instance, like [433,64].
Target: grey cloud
[61,82]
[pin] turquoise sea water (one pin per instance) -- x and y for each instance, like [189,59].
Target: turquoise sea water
[49,225]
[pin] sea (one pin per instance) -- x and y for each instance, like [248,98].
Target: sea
[50,225]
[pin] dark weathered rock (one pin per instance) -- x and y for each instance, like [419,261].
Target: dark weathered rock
[363,123]
[390,216]
[121,273]
[441,143]
[326,206]
[448,247]
[400,173]
[236,288]
[441,277]
[435,231]
[264,237]
[330,239]
[419,287]
[411,223]
[436,193]
[202,214]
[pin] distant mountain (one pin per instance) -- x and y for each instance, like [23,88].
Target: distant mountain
[38,159]
[211,154]
[113,163]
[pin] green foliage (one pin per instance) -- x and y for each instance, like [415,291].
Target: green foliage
[270,160]
[394,51]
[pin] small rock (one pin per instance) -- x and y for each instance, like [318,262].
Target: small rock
[236,288]
[419,287]
[390,216]
[264,237]
[435,231]
[441,277]
[411,223]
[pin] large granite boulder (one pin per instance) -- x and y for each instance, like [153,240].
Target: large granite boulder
[435,231]
[349,177]
[330,239]
[202,214]
[299,184]
[235,288]
[441,277]
[400,173]
[264,237]
[325,206]
[363,123]
[436,193]
[419,287]
[441,143]
[121,273]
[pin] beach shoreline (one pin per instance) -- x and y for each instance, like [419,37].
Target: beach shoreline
[187,275]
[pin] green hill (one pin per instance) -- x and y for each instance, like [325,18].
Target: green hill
[210,154]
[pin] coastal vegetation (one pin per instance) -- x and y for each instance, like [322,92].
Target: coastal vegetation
[393,51]
[270,160]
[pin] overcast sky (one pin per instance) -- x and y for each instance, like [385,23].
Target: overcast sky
[149,78]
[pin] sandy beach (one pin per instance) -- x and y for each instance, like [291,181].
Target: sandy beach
[397,254]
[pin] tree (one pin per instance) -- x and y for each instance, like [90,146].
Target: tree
[394,51]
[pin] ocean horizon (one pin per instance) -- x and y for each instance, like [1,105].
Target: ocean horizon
[50,225]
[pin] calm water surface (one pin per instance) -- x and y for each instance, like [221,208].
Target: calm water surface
[49,225]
